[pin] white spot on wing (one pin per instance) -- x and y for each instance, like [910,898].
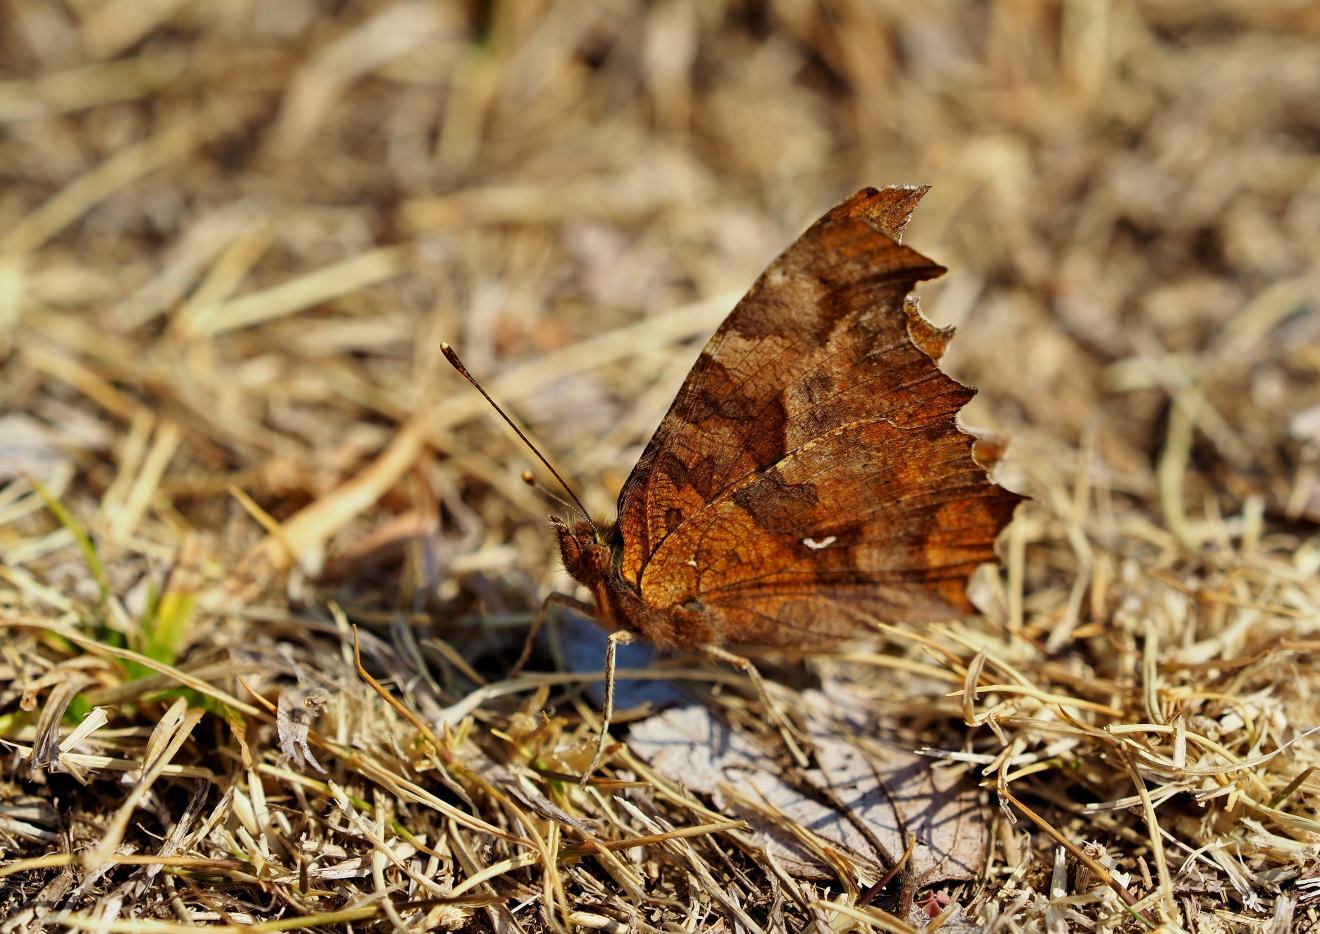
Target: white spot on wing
[818,545]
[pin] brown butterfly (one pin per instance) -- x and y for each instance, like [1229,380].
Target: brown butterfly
[810,476]
[810,473]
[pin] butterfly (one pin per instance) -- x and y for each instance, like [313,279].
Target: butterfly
[810,475]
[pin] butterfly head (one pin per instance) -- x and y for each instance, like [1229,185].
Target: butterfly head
[586,555]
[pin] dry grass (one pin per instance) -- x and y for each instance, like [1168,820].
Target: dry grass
[232,237]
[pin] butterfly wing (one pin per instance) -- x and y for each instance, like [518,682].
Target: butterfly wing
[810,469]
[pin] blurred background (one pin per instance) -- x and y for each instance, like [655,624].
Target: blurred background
[234,233]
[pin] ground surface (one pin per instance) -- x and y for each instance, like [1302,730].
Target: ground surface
[232,237]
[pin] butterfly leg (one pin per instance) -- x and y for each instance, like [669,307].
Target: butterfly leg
[745,665]
[538,621]
[617,638]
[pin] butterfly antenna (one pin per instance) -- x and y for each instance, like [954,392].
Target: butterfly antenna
[539,487]
[457,364]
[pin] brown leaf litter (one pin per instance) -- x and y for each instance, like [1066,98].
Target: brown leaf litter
[251,524]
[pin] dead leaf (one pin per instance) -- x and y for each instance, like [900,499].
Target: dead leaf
[874,781]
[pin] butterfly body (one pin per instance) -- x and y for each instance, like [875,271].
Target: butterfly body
[591,554]
[809,478]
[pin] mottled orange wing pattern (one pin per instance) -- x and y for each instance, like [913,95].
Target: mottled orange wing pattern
[810,472]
